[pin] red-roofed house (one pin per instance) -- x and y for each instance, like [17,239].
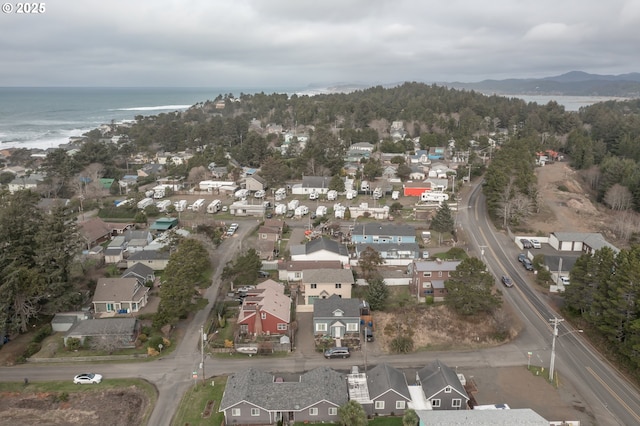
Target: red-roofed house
[265,310]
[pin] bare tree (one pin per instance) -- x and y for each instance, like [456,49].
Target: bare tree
[198,174]
[592,176]
[618,197]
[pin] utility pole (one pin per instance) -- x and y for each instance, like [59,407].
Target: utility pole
[202,342]
[555,322]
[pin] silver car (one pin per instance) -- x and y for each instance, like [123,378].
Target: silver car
[87,379]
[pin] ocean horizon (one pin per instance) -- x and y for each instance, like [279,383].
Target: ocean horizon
[46,117]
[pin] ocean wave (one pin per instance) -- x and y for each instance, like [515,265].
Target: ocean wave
[153,108]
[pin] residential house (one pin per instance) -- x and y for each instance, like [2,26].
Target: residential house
[143,273]
[323,283]
[377,233]
[437,153]
[119,295]
[268,241]
[428,277]
[388,391]
[128,181]
[164,224]
[150,169]
[417,173]
[293,270]
[421,157]
[265,310]
[321,249]
[337,318]
[389,172]
[317,184]
[94,231]
[114,253]
[442,387]
[275,224]
[118,333]
[243,208]
[392,253]
[137,240]
[26,182]
[519,416]
[362,146]
[253,397]
[155,259]
[255,182]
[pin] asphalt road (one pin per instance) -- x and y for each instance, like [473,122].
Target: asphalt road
[613,399]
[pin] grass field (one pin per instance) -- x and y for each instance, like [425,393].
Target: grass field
[195,401]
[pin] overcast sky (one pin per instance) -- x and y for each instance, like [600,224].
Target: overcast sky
[293,43]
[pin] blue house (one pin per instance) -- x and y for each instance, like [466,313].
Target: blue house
[377,233]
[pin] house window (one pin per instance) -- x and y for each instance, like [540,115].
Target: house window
[439,273]
[255,412]
[399,239]
[282,326]
[333,411]
[235,412]
[263,236]
[447,389]
[456,403]
[400,405]
[426,274]
[313,411]
[379,405]
[338,285]
[297,275]
[263,315]
[321,326]
[314,285]
[352,326]
[435,403]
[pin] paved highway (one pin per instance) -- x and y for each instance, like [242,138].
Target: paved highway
[613,400]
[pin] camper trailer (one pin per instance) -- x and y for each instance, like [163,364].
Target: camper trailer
[321,211]
[162,205]
[351,194]
[144,203]
[364,186]
[281,194]
[293,204]
[180,205]
[395,195]
[377,193]
[332,195]
[280,209]
[301,211]
[199,203]
[241,194]
[434,197]
[214,206]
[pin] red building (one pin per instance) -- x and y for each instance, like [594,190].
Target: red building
[265,310]
[415,189]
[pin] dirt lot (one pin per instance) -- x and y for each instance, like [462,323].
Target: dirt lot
[121,407]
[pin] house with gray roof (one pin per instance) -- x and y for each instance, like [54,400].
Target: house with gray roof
[323,283]
[388,390]
[338,319]
[119,296]
[253,397]
[318,184]
[520,417]
[321,249]
[140,272]
[155,259]
[380,233]
[392,253]
[585,242]
[442,387]
[113,332]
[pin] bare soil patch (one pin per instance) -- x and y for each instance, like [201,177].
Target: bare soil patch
[118,407]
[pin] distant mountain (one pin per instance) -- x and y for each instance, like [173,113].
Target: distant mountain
[574,83]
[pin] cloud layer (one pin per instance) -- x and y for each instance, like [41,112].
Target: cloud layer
[287,43]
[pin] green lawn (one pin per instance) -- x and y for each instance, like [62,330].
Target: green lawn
[195,401]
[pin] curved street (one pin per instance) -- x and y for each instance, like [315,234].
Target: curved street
[611,398]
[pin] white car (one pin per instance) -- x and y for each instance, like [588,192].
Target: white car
[87,379]
[564,280]
[535,243]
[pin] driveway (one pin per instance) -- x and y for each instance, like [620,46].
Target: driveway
[305,346]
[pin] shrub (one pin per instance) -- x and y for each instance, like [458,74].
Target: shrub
[142,338]
[43,333]
[154,341]
[402,344]
[429,300]
[32,349]
[73,343]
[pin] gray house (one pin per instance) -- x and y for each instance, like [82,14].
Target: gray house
[140,272]
[113,332]
[253,397]
[155,259]
[388,391]
[442,387]
[337,318]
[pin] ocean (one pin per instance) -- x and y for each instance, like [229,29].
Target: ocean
[45,117]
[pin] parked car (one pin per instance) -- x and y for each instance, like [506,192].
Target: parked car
[506,281]
[368,334]
[564,280]
[526,243]
[264,274]
[535,243]
[338,352]
[87,379]
[527,265]
[522,257]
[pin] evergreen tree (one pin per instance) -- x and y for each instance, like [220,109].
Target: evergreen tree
[369,261]
[470,288]
[443,221]
[377,294]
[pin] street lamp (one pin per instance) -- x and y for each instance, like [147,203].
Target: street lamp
[555,322]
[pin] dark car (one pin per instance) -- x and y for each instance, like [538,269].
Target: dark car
[338,352]
[527,265]
[521,257]
[368,334]
[263,274]
[506,281]
[526,243]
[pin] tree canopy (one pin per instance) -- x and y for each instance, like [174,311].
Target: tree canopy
[470,288]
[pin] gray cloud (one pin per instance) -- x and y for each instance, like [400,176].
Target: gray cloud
[284,43]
